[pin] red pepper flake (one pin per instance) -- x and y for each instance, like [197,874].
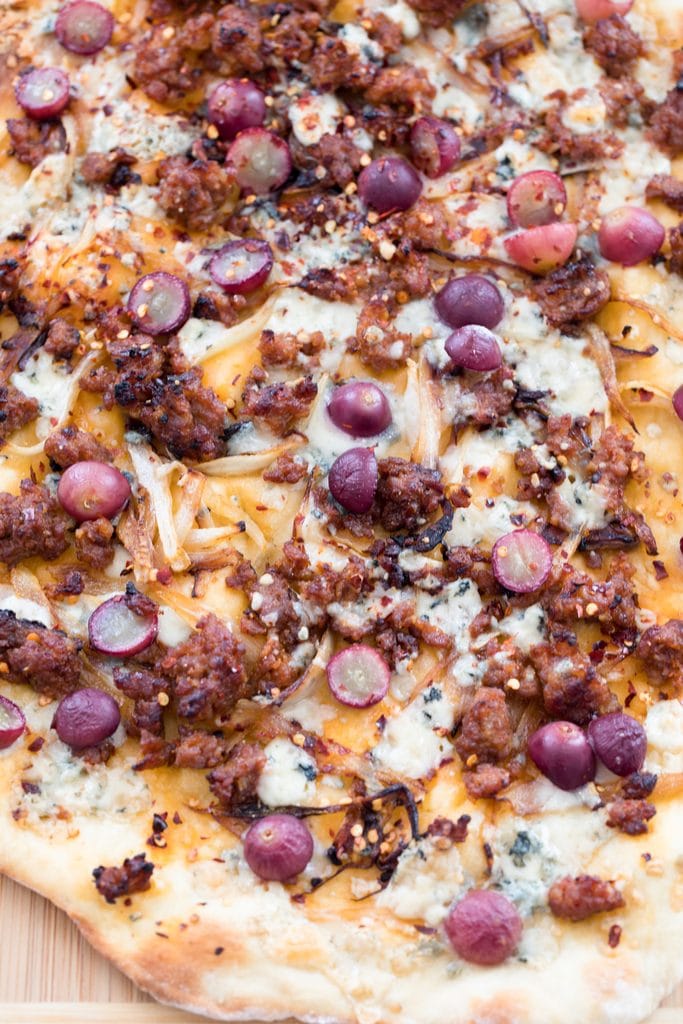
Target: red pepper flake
[164,576]
[644,395]
[614,936]
[680,545]
[660,570]
[632,694]
[36,745]
[218,950]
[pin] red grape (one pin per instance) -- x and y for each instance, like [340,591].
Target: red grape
[91,490]
[595,10]
[241,266]
[358,676]
[434,146]
[389,184]
[544,248]
[278,847]
[484,927]
[471,299]
[562,752]
[677,401]
[12,722]
[360,408]
[261,160]
[159,303]
[474,348]
[630,235]
[86,718]
[116,630]
[43,92]
[619,741]
[84,27]
[536,198]
[521,561]
[234,105]
[353,480]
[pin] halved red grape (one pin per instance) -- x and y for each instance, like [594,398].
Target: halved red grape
[434,146]
[242,265]
[521,561]
[562,752]
[619,741]
[92,490]
[536,198]
[544,248]
[84,27]
[595,10]
[360,408]
[159,303]
[630,235]
[86,718]
[12,722]
[677,402]
[471,299]
[261,160]
[389,184]
[474,348]
[43,92]
[234,105]
[358,676]
[278,847]
[115,629]
[353,479]
[484,927]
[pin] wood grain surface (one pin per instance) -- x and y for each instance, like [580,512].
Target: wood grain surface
[50,975]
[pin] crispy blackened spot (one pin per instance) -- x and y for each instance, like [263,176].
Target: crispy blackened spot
[373,834]
[578,898]
[407,494]
[44,658]
[68,445]
[280,405]
[207,672]
[134,875]
[33,140]
[32,523]
[237,41]
[630,815]
[614,44]
[572,293]
[486,730]
[154,385]
[572,689]
[16,410]
[112,169]
[668,189]
[661,648]
[235,783]
[196,193]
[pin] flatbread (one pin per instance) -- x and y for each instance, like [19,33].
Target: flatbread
[347,941]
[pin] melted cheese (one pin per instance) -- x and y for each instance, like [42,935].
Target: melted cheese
[288,777]
[313,116]
[410,746]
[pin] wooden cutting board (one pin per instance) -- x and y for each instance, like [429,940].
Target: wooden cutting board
[50,975]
